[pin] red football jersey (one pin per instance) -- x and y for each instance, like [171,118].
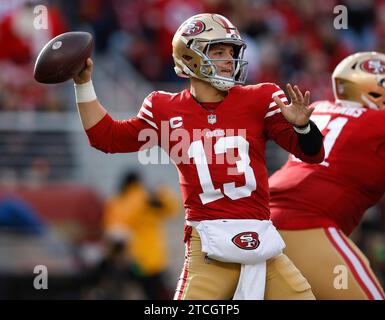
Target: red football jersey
[350,179]
[219,154]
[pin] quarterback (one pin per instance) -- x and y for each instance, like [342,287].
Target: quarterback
[336,193]
[232,248]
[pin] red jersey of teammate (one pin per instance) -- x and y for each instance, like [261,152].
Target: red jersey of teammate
[351,179]
[222,169]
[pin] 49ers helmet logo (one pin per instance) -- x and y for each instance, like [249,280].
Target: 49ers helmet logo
[193,28]
[246,240]
[374,66]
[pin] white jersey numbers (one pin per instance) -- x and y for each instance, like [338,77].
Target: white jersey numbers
[196,151]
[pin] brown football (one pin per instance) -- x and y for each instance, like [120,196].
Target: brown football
[63,57]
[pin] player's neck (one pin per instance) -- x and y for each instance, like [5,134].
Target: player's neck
[205,92]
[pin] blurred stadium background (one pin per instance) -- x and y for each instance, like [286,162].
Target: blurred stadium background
[54,187]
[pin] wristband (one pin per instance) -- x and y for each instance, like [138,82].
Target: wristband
[85,92]
[302,130]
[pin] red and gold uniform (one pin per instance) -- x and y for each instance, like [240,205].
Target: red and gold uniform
[220,157]
[316,207]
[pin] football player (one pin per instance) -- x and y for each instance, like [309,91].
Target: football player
[219,129]
[317,207]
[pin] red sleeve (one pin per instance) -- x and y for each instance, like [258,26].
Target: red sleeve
[148,110]
[113,136]
[281,131]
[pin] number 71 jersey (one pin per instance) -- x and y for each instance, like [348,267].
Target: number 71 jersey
[220,154]
[336,192]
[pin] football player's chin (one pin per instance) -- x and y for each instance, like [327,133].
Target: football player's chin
[226,74]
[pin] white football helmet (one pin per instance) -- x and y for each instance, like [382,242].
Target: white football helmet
[360,79]
[192,42]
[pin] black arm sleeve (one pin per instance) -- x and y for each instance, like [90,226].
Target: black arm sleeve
[310,143]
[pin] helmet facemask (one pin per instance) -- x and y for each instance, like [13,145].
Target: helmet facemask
[208,70]
[192,43]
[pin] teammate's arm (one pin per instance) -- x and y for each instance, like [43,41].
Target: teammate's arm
[104,133]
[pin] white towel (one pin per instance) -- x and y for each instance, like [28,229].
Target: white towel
[251,283]
[246,241]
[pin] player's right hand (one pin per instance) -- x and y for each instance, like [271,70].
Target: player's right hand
[85,75]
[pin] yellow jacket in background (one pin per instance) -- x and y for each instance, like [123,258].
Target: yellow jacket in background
[132,213]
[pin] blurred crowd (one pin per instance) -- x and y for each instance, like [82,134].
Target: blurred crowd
[93,247]
[20,43]
[288,41]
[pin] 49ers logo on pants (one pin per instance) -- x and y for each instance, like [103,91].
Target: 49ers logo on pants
[246,240]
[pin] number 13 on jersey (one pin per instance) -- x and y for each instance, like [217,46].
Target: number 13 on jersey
[210,194]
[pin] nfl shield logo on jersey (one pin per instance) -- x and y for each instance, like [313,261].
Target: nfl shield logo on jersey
[212,118]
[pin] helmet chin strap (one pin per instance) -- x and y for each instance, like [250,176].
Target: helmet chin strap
[355,104]
[369,103]
[349,104]
[222,85]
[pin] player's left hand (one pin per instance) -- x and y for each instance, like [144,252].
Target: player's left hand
[298,111]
